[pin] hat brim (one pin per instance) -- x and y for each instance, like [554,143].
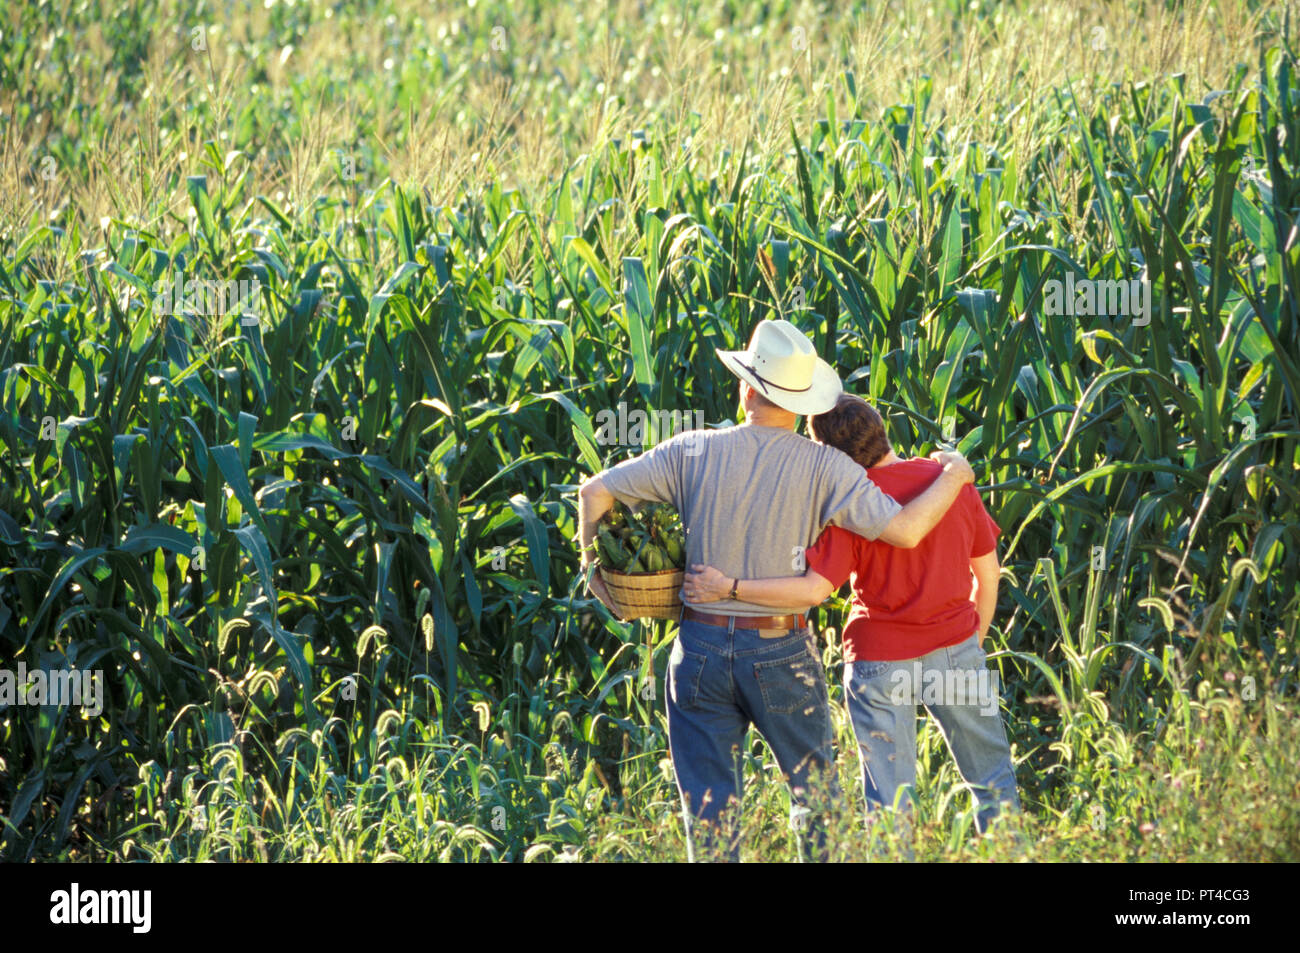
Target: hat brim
[820,396]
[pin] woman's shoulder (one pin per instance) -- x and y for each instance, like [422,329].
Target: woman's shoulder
[913,470]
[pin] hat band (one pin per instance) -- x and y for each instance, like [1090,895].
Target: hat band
[764,382]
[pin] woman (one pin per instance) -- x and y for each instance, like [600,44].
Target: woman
[915,628]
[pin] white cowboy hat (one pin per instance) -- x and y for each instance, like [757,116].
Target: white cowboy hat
[782,365]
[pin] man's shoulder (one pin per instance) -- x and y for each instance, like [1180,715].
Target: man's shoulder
[832,458]
[746,435]
[824,461]
[683,439]
[828,464]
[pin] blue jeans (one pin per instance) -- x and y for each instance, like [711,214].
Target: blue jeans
[959,689]
[720,680]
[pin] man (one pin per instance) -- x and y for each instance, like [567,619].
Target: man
[915,629]
[752,499]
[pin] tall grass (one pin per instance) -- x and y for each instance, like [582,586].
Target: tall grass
[466,250]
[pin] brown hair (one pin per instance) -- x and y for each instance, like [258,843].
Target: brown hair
[855,427]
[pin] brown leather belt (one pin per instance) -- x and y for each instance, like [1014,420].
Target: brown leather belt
[747,621]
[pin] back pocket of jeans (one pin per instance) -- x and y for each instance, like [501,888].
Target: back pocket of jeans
[791,684]
[865,671]
[685,668]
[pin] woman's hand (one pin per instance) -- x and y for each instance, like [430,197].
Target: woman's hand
[705,584]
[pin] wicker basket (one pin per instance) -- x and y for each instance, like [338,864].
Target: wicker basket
[645,595]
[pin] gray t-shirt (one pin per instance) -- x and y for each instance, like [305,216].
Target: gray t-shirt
[753,499]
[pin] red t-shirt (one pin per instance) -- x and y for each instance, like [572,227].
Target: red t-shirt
[908,602]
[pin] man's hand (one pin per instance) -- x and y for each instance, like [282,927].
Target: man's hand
[596,586]
[705,584]
[594,501]
[954,463]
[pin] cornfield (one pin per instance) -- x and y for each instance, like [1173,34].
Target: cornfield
[318,534]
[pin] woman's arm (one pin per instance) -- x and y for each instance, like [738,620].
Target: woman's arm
[706,584]
[986,573]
